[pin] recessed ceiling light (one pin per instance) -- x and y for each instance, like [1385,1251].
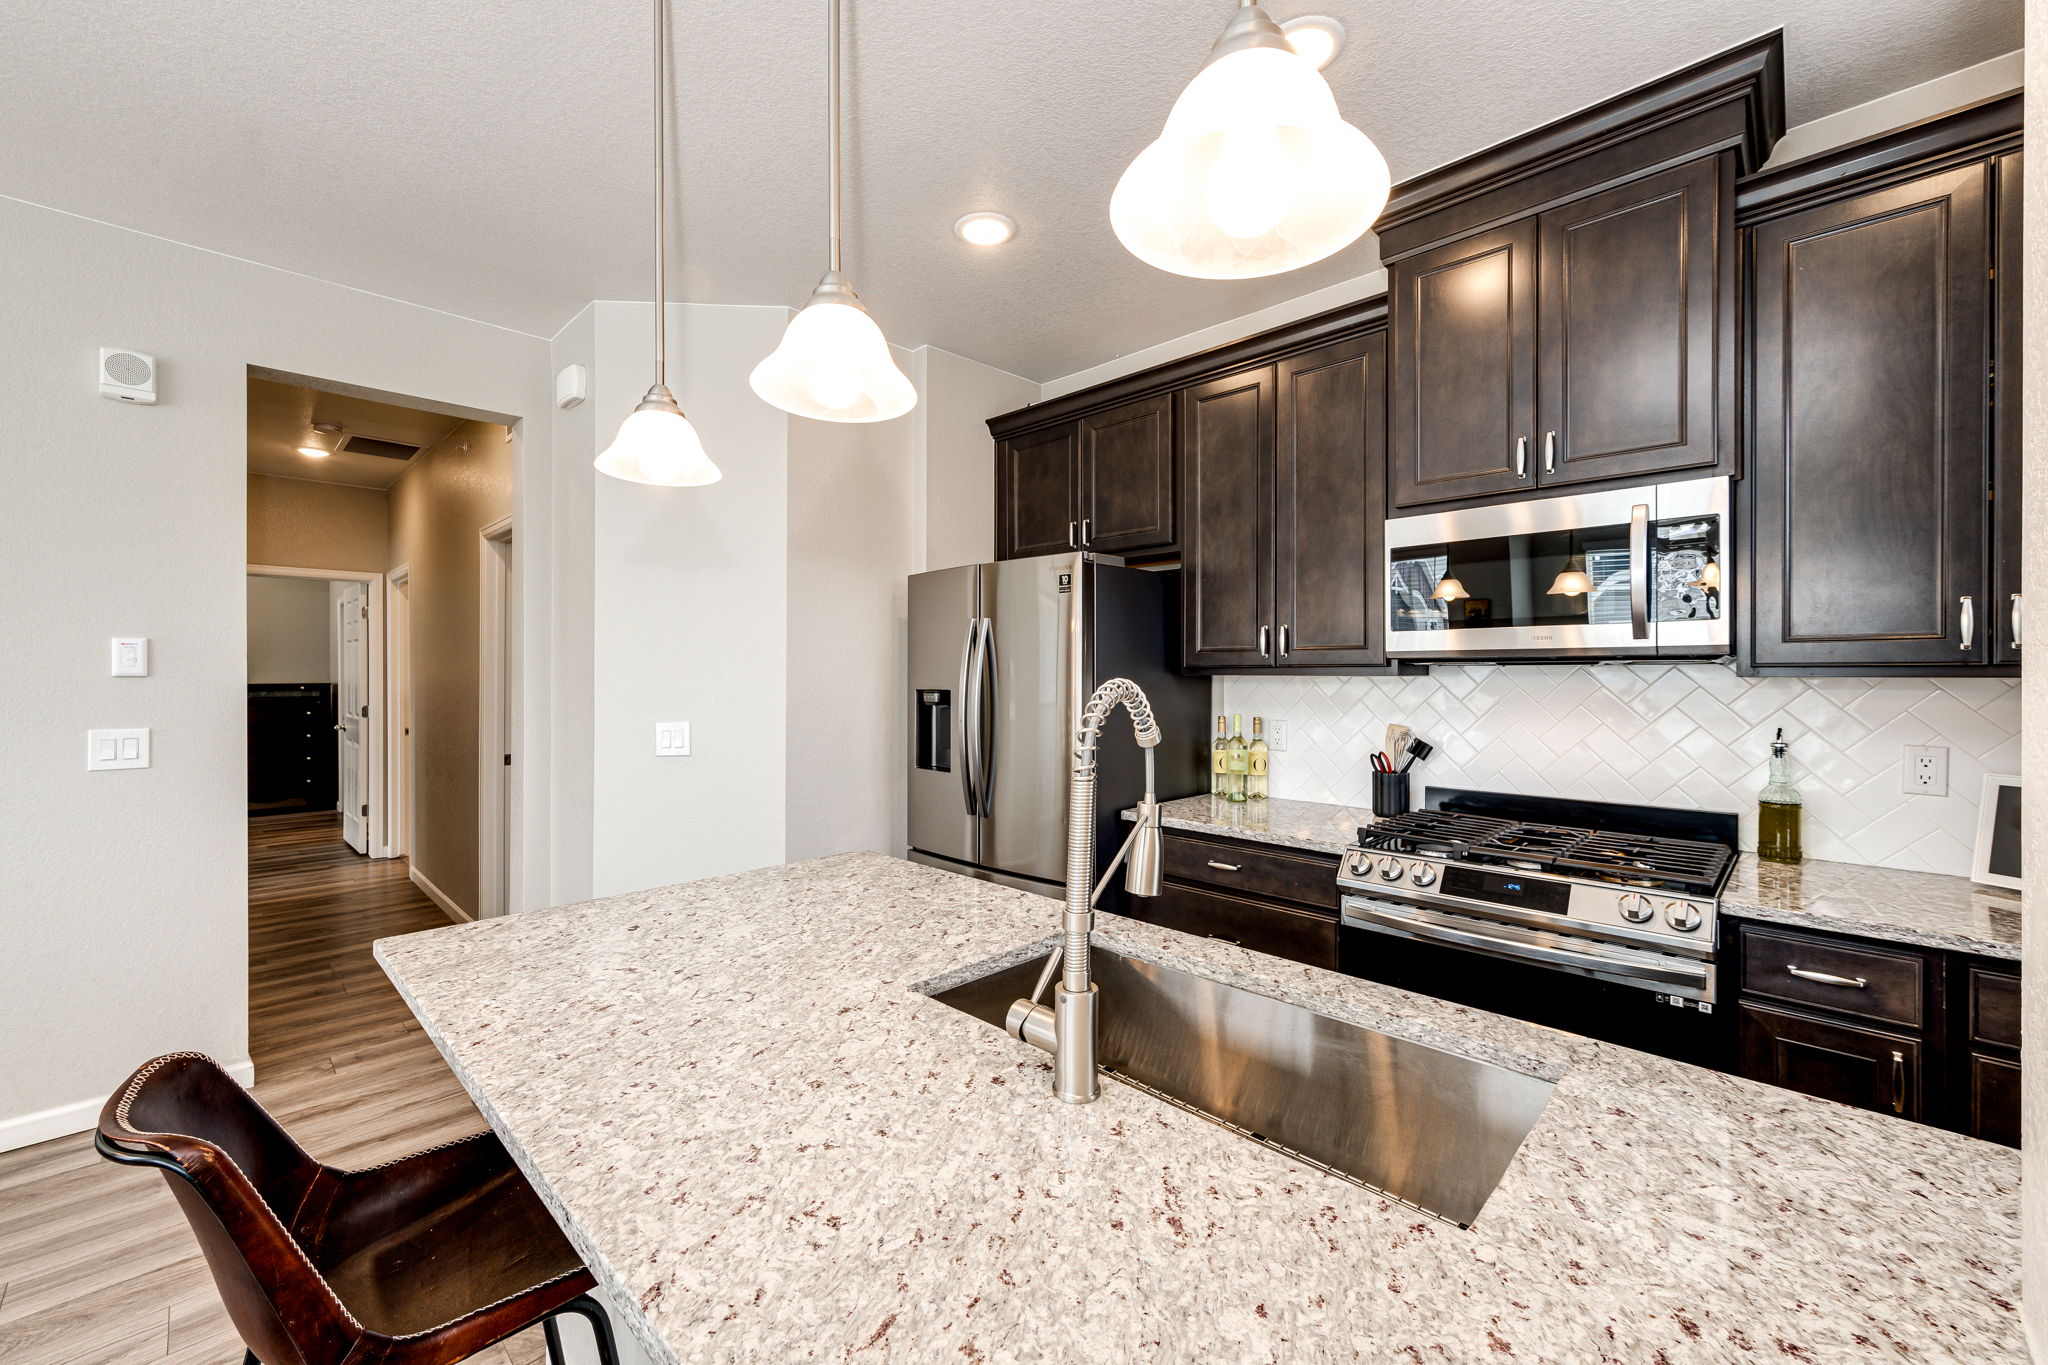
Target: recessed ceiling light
[324,441]
[985,228]
[1317,37]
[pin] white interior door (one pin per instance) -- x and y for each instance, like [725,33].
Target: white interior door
[352,667]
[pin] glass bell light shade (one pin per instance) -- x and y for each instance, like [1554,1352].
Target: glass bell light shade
[834,363]
[1255,172]
[656,444]
[1573,580]
[1448,589]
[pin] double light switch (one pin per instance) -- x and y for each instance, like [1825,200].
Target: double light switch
[109,749]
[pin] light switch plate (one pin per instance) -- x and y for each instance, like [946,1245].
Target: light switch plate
[106,750]
[672,739]
[131,656]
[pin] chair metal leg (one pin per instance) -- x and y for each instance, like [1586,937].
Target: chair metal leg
[591,1311]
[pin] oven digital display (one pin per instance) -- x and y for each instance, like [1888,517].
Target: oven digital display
[1498,888]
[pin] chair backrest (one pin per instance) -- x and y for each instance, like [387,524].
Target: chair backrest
[243,1184]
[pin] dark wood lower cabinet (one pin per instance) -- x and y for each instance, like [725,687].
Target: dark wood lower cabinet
[1918,1032]
[1833,1060]
[1298,935]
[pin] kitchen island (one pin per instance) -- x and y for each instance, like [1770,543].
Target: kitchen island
[763,1134]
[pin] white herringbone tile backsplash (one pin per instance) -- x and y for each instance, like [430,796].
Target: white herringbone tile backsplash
[1693,735]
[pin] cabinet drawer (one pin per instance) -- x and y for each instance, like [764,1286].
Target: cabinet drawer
[1832,974]
[1843,1062]
[1293,934]
[1994,1007]
[1303,878]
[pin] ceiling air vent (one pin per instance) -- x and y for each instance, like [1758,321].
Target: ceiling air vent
[370,445]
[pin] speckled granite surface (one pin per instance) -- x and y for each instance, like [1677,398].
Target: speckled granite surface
[1878,902]
[1921,908]
[1312,825]
[759,1131]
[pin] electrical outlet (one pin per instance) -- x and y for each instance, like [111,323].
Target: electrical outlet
[1276,735]
[1926,770]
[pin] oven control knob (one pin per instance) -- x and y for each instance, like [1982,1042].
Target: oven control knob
[1359,865]
[1683,916]
[1422,875]
[1391,870]
[1636,909]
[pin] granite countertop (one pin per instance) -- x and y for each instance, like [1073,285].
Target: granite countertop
[769,1143]
[1922,908]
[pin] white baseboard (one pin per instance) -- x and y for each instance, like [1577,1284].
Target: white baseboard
[65,1119]
[439,897]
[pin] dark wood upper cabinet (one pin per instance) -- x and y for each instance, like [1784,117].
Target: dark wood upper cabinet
[1635,301]
[1126,477]
[1870,458]
[2005,625]
[1463,320]
[1226,456]
[1329,506]
[1035,480]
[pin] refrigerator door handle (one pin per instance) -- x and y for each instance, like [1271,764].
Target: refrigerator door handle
[969,724]
[985,699]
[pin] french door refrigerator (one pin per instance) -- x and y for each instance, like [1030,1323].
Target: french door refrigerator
[1002,658]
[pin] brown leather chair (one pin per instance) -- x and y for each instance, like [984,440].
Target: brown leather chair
[420,1261]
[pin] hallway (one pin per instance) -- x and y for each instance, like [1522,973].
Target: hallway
[97,1266]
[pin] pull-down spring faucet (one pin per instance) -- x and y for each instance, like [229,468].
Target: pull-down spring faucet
[1067,1028]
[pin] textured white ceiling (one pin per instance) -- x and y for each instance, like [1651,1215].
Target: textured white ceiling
[492,160]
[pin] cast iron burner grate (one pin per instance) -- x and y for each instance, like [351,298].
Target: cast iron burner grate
[1429,831]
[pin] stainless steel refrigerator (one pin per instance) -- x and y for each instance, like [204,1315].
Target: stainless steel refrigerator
[1002,658]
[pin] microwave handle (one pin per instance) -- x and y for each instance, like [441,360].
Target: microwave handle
[1639,570]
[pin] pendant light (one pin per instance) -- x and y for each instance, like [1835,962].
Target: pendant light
[834,363]
[1255,172]
[1448,589]
[1572,580]
[656,444]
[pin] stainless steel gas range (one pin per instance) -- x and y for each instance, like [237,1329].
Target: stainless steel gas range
[1602,919]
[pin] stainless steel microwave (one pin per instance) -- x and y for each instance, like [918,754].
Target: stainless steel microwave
[1631,571]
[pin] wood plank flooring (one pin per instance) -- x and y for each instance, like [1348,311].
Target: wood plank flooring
[97,1266]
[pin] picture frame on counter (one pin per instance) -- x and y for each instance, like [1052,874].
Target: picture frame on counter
[1998,834]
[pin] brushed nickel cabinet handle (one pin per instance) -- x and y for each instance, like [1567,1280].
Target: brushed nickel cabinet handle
[1225,938]
[1085,523]
[1521,457]
[1550,452]
[2015,610]
[1969,622]
[1223,867]
[1898,1082]
[1265,642]
[1285,647]
[1073,535]
[1829,978]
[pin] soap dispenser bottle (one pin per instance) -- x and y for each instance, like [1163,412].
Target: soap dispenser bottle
[1777,810]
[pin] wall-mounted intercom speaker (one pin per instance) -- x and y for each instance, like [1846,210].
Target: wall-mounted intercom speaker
[127,375]
[572,386]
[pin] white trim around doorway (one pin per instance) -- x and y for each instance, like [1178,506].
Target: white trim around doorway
[497,711]
[377,835]
[398,703]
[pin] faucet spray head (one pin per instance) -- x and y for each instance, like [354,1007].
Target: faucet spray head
[1143,872]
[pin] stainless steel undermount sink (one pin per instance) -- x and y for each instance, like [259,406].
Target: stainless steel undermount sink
[1430,1128]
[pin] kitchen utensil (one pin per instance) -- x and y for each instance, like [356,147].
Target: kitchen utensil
[1418,749]
[1397,740]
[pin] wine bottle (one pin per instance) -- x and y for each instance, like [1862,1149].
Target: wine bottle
[1219,767]
[1236,761]
[1257,762]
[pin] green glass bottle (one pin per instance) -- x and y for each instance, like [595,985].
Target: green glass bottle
[1777,810]
[1236,760]
[1219,760]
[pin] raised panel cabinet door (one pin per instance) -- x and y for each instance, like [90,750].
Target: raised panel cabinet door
[1226,460]
[1329,506]
[1843,1062]
[1870,457]
[2008,608]
[1463,361]
[1634,297]
[1994,1100]
[1126,477]
[1035,501]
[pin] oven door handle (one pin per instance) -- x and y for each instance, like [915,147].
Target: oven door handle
[1640,965]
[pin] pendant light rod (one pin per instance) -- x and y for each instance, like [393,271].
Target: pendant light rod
[661,192]
[832,116]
